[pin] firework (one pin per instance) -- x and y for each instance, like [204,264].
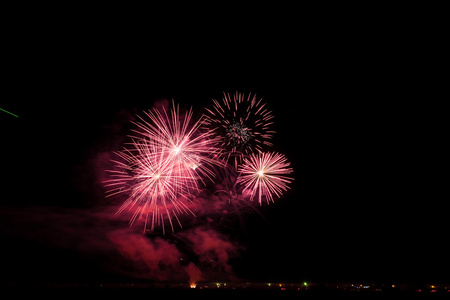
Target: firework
[180,139]
[241,122]
[264,175]
[161,168]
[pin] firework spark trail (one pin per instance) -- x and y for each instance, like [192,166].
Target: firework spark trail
[242,123]
[9,112]
[264,175]
[162,166]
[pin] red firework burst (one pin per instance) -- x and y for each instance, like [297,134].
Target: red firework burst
[241,122]
[161,168]
[264,175]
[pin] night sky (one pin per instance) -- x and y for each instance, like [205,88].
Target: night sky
[349,113]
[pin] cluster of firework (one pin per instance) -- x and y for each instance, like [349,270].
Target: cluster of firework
[172,156]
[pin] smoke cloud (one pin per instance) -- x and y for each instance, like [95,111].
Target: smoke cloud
[76,244]
[62,244]
[213,250]
[155,259]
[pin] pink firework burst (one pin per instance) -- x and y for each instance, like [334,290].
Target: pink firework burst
[264,175]
[183,143]
[161,169]
[241,122]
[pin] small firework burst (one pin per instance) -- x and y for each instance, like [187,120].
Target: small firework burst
[264,175]
[161,168]
[241,122]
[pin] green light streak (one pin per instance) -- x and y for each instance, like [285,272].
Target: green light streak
[9,113]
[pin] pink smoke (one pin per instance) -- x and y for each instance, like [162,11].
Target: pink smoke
[195,275]
[214,251]
[150,259]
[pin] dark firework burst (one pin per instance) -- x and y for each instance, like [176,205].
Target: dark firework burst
[242,123]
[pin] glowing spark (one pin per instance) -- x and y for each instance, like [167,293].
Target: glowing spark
[176,150]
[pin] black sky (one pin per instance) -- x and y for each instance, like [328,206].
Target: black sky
[349,115]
